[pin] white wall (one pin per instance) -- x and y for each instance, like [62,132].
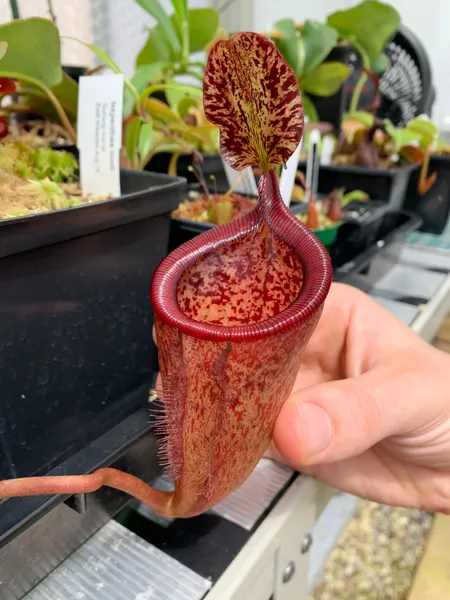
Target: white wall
[429,20]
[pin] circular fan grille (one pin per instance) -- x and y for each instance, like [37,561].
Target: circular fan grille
[400,86]
[405,87]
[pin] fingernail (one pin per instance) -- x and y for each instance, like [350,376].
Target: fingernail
[315,427]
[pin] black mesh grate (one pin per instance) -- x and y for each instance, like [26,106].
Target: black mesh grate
[406,86]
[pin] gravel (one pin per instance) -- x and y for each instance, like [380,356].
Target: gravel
[376,555]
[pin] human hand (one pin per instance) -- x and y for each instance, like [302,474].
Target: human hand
[370,409]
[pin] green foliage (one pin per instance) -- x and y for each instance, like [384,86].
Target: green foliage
[305,50]
[32,58]
[48,193]
[318,41]
[309,108]
[326,79]
[288,44]
[174,38]
[367,26]
[66,93]
[38,163]
[140,81]
[400,136]
[425,130]
[33,51]
[3,49]
[361,128]
[165,24]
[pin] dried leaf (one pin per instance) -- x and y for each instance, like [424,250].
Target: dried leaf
[252,95]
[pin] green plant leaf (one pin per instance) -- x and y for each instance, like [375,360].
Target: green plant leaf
[288,45]
[102,55]
[132,139]
[145,139]
[67,94]
[154,8]
[185,104]
[319,40]
[381,64]
[181,16]
[426,130]
[358,195]
[141,79]
[203,25]
[401,136]
[161,111]
[362,116]
[3,49]
[356,122]
[326,80]
[309,108]
[105,58]
[156,49]
[33,50]
[175,92]
[371,24]
[181,9]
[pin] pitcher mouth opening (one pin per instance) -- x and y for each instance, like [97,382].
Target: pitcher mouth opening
[315,264]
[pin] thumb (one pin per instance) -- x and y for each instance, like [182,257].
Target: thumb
[332,421]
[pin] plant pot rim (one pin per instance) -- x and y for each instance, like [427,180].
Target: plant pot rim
[171,182]
[443,157]
[367,170]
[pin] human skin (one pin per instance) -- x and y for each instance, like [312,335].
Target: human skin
[369,413]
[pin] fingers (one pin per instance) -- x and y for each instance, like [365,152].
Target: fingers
[330,421]
[337,420]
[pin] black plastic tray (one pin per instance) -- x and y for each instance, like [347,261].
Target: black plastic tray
[76,349]
[183,230]
[145,195]
[434,206]
[211,165]
[37,533]
[362,254]
[386,185]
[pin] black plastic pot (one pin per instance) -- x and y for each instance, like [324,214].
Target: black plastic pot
[183,230]
[330,109]
[363,254]
[386,185]
[39,532]
[74,71]
[357,213]
[434,206]
[211,165]
[76,349]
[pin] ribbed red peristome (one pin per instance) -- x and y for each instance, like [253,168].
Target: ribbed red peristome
[271,210]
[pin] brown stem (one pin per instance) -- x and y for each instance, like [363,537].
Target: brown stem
[12,108]
[51,96]
[159,501]
[51,11]
[424,172]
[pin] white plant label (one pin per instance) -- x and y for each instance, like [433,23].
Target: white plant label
[246,178]
[287,179]
[100,101]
